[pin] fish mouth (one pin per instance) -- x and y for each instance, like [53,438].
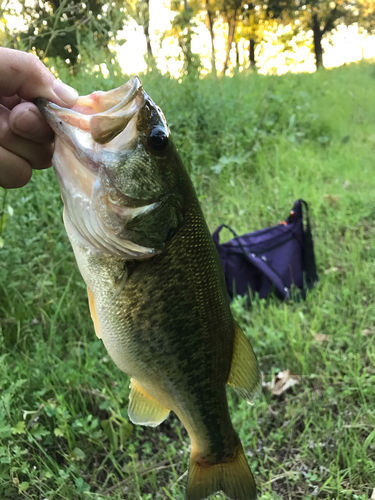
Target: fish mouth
[99,129]
[97,119]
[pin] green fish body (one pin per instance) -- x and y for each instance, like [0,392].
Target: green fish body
[156,287]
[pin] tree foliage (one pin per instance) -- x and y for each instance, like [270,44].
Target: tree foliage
[254,20]
[62,28]
[183,28]
[323,16]
[55,28]
[140,12]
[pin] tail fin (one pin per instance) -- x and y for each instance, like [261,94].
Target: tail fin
[233,478]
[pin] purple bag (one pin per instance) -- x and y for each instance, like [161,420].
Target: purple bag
[279,257]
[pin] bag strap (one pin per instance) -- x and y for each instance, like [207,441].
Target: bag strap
[257,262]
[216,234]
[308,256]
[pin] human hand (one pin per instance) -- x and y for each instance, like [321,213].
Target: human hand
[25,137]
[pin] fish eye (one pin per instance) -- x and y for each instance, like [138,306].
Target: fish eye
[157,139]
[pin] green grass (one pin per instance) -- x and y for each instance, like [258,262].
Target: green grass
[253,145]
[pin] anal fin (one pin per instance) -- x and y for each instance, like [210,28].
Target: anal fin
[94,316]
[143,408]
[244,374]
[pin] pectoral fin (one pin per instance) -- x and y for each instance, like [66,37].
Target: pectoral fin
[244,374]
[94,316]
[143,408]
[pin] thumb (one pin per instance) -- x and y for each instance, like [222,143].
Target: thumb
[23,74]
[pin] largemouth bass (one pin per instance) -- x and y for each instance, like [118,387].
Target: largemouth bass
[156,288]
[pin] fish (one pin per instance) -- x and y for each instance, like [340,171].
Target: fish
[155,284]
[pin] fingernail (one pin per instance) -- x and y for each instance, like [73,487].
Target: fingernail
[65,93]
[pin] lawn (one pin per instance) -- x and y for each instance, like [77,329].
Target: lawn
[253,145]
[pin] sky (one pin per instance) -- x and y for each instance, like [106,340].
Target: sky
[346,45]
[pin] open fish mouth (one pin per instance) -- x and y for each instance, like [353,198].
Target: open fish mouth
[94,136]
[98,118]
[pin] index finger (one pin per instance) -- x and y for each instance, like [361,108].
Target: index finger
[23,74]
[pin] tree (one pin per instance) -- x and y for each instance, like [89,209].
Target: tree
[322,17]
[236,14]
[247,20]
[5,36]
[212,11]
[367,16]
[183,26]
[253,19]
[229,9]
[140,12]
[55,27]
[251,25]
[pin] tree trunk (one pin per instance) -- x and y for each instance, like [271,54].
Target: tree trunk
[318,35]
[146,30]
[188,53]
[231,31]
[238,55]
[211,28]
[252,52]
